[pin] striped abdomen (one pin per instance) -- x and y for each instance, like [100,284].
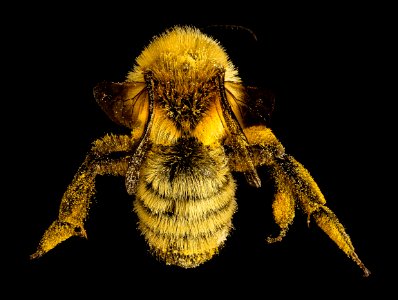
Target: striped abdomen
[185,201]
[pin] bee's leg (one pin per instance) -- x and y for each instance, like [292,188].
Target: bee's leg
[312,202]
[293,181]
[76,200]
[264,147]
[283,206]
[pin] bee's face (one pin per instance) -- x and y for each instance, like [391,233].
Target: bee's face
[184,69]
[185,101]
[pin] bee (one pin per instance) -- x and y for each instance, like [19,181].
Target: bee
[193,123]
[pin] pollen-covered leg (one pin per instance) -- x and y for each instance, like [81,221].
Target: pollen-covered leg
[295,186]
[76,200]
[329,223]
[264,149]
[312,202]
[283,207]
[57,233]
[72,213]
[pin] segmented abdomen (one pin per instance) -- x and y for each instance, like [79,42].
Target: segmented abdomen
[185,205]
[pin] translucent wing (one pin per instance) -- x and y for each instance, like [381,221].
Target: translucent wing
[261,103]
[125,103]
[129,104]
[234,108]
[251,105]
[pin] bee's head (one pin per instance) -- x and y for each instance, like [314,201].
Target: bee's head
[183,53]
[184,64]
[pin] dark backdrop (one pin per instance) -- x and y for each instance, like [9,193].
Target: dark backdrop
[324,65]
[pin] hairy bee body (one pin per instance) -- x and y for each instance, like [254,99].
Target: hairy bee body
[185,202]
[193,124]
[185,194]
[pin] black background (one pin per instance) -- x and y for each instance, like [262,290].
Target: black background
[327,67]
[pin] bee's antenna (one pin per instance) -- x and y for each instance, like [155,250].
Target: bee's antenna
[234,27]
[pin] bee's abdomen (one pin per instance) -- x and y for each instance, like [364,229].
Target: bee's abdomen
[185,213]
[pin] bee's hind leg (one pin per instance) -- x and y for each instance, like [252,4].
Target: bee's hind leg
[328,222]
[312,202]
[295,187]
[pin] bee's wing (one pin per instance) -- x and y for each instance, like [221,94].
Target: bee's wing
[125,103]
[237,105]
[252,105]
[260,105]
